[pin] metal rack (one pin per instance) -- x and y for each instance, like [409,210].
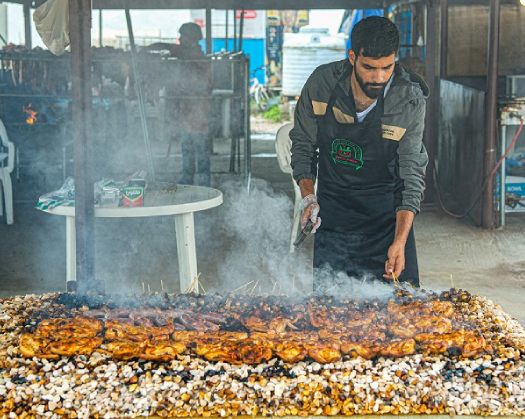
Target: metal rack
[23,83]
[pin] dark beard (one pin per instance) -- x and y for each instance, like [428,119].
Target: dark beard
[372,90]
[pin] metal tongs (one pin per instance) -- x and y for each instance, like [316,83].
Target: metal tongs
[304,234]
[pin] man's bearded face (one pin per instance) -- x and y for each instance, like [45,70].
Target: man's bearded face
[372,74]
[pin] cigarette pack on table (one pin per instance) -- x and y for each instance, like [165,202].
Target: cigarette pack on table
[132,196]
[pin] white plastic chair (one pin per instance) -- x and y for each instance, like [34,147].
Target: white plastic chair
[5,174]
[283,147]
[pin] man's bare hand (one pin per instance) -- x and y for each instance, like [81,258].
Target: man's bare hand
[396,261]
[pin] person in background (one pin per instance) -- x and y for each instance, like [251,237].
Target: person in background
[359,128]
[188,102]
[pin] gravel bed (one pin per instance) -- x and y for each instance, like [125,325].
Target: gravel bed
[98,386]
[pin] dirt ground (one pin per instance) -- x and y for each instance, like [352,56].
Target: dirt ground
[451,252]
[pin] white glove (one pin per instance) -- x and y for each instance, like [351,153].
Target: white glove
[310,211]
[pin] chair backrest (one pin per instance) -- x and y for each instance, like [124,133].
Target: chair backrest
[283,147]
[4,140]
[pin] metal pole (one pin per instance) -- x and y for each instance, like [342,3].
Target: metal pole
[140,97]
[208,31]
[100,39]
[226,40]
[27,24]
[444,38]
[491,104]
[247,136]
[432,76]
[234,30]
[502,176]
[241,29]
[80,19]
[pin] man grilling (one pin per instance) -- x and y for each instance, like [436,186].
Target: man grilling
[358,129]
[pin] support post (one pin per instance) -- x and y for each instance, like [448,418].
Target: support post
[491,105]
[247,136]
[432,78]
[241,29]
[80,19]
[208,31]
[234,30]
[100,38]
[27,24]
[227,28]
[444,38]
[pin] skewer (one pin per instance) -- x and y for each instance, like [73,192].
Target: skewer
[254,287]
[149,289]
[242,286]
[143,288]
[194,285]
[274,286]
[203,289]
[162,285]
[396,281]
[452,281]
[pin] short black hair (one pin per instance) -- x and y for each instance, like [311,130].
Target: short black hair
[375,37]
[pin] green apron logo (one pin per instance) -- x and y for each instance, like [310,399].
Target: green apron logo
[347,153]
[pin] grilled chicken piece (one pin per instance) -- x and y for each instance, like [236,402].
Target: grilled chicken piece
[469,343]
[366,350]
[290,351]
[190,337]
[119,330]
[473,345]
[162,332]
[124,349]
[318,316]
[74,346]
[409,327]
[281,324]
[162,351]
[436,343]
[254,323]
[253,352]
[324,352]
[227,336]
[78,327]
[244,351]
[398,348]
[32,345]
[419,308]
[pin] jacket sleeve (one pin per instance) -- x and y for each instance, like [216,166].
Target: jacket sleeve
[413,159]
[304,136]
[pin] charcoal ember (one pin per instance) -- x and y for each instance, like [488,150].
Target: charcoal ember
[18,379]
[456,296]
[71,300]
[278,370]
[212,373]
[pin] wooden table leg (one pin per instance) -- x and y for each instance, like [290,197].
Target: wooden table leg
[71,253]
[186,253]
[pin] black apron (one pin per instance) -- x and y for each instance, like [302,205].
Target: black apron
[358,192]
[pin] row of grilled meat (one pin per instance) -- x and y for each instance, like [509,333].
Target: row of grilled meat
[252,335]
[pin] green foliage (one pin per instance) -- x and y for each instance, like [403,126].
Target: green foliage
[273,114]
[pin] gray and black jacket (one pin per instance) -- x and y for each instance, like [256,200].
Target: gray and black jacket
[403,120]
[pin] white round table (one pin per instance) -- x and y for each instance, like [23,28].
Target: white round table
[181,203]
